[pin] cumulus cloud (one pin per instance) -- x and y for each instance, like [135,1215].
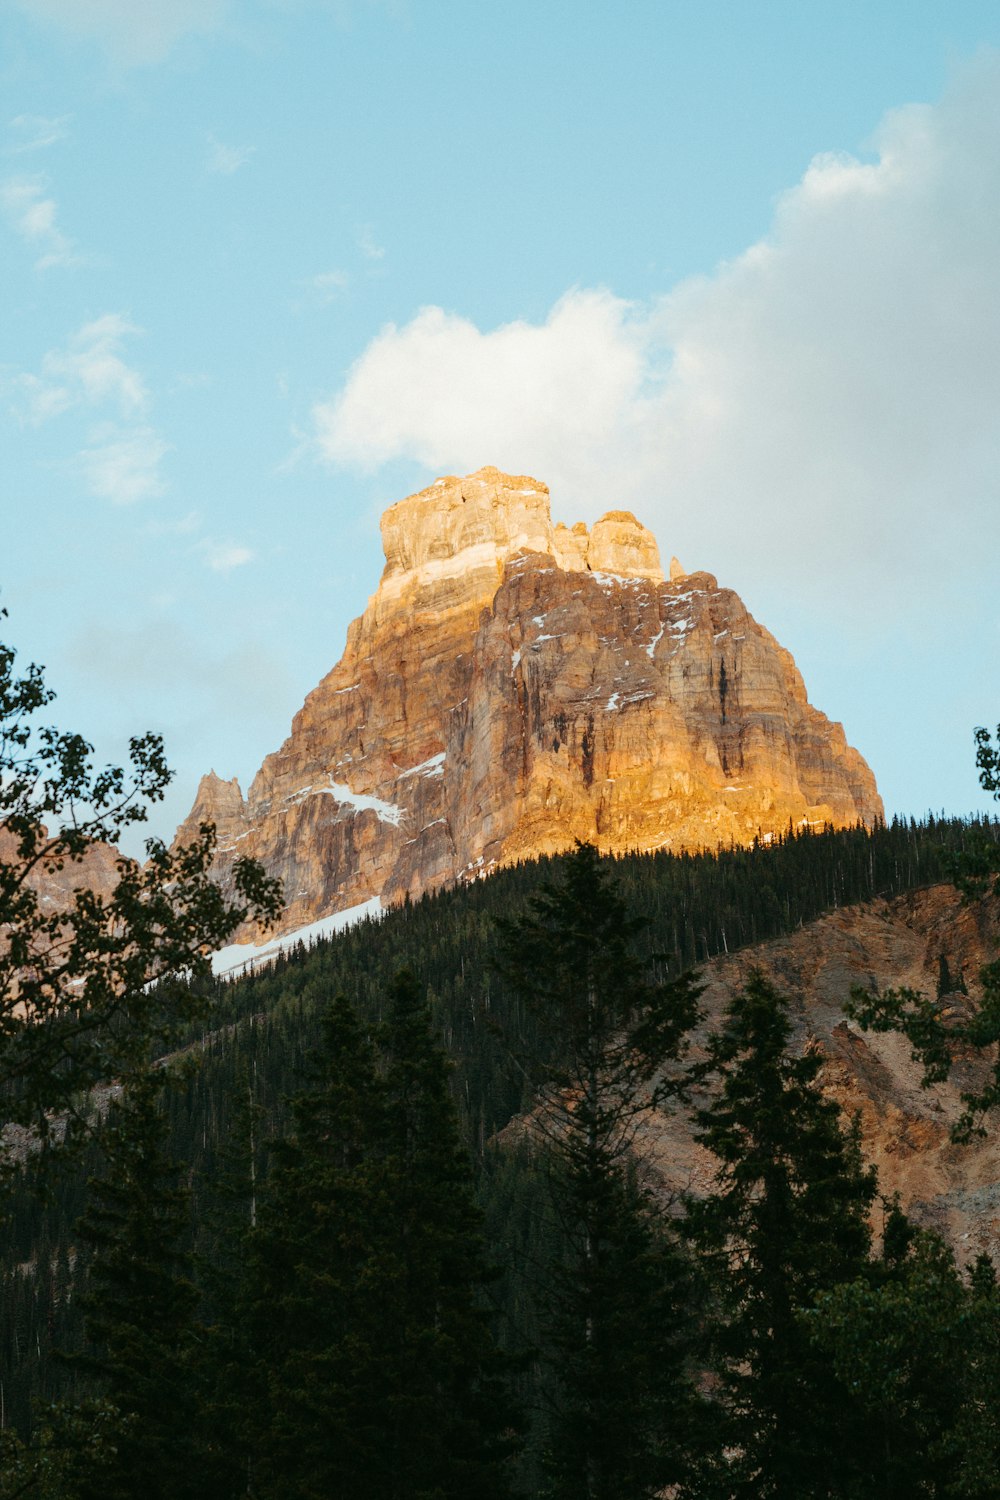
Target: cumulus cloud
[89,371]
[132,32]
[822,407]
[123,466]
[441,391]
[224,160]
[33,215]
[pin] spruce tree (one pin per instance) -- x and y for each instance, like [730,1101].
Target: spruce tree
[450,1417]
[917,1345]
[617,1304]
[140,1303]
[307,1407]
[374,1369]
[787,1220]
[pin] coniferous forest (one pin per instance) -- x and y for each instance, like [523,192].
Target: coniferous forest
[377,1225]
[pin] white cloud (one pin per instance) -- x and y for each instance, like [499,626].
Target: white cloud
[368,245]
[820,412]
[123,466]
[224,160]
[223,557]
[33,215]
[121,460]
[89,371]
[36,132]
[328,285]
[132,32]
[523,395]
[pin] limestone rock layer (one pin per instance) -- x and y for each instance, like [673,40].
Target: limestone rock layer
[513,686]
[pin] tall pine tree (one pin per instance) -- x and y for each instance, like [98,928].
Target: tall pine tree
[787,1221]
[375,1371]
[140,1311]
[617,1307]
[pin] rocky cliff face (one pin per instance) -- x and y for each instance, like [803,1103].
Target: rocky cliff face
[905,1128]
[515,685]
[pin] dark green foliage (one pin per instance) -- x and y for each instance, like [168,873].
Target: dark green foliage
[73,1448]
[786,1221]
[305,1386]
[374,1371]
[266,1031]
[619,1316]
[918,1348]
[616,1303]
[75,1007]
[139,1309]
[613,1024]
[451,1419]
[988,760]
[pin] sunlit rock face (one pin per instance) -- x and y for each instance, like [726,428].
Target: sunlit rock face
[55,883]
[513,686]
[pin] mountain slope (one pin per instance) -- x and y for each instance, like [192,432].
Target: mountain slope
[905,1128]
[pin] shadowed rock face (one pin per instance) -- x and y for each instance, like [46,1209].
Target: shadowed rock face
[513,686]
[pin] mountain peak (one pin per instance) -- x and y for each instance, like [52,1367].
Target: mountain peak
[514,685]
[464,530]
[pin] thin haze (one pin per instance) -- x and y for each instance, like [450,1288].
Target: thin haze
[274,265]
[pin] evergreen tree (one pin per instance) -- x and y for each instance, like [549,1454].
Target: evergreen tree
[140,1303]
[787,1220]
[375,1370]
[450,1417]
[618,1307]
[918,1348]
[309,1404]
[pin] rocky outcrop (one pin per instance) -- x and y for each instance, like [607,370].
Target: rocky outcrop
[55,881]
[905,1128]
[513,686]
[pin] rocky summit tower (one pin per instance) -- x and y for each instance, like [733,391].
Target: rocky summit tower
[513,686]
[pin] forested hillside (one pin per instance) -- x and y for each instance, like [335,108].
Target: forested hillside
[227,1104]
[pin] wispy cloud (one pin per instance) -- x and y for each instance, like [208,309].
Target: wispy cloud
[36,132]
[32,214]
[223,160]
[133,33]
[89,371]
[368,245]
[121,459]
[328,285]
[123,466]
[186,525]
[223,557]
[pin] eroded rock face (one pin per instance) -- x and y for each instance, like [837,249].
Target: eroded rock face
[513,686]
[905,1128]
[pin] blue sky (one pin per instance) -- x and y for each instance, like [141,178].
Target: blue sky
[270,265]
